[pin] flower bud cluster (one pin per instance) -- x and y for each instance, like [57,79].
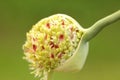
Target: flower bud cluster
[50,43]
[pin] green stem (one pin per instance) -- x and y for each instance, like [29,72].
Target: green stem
[49,77]
[100,24]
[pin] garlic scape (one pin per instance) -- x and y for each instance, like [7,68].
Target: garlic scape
[76,62]
[59,43]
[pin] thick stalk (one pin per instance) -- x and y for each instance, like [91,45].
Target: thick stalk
[100,24]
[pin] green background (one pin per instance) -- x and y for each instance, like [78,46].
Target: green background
[17,17]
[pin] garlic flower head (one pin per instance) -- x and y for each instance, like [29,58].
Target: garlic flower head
[59,43]
[51,43]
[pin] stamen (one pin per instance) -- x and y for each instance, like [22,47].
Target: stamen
[61,37]
[46,36]
[52,55]
[56,46]
[63,22]
[48,25]
[34,47]
[43,47]
[59,55]
[52,45]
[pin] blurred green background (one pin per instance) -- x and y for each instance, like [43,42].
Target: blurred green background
[17,17]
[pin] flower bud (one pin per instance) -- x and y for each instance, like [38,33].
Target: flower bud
[52,43]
